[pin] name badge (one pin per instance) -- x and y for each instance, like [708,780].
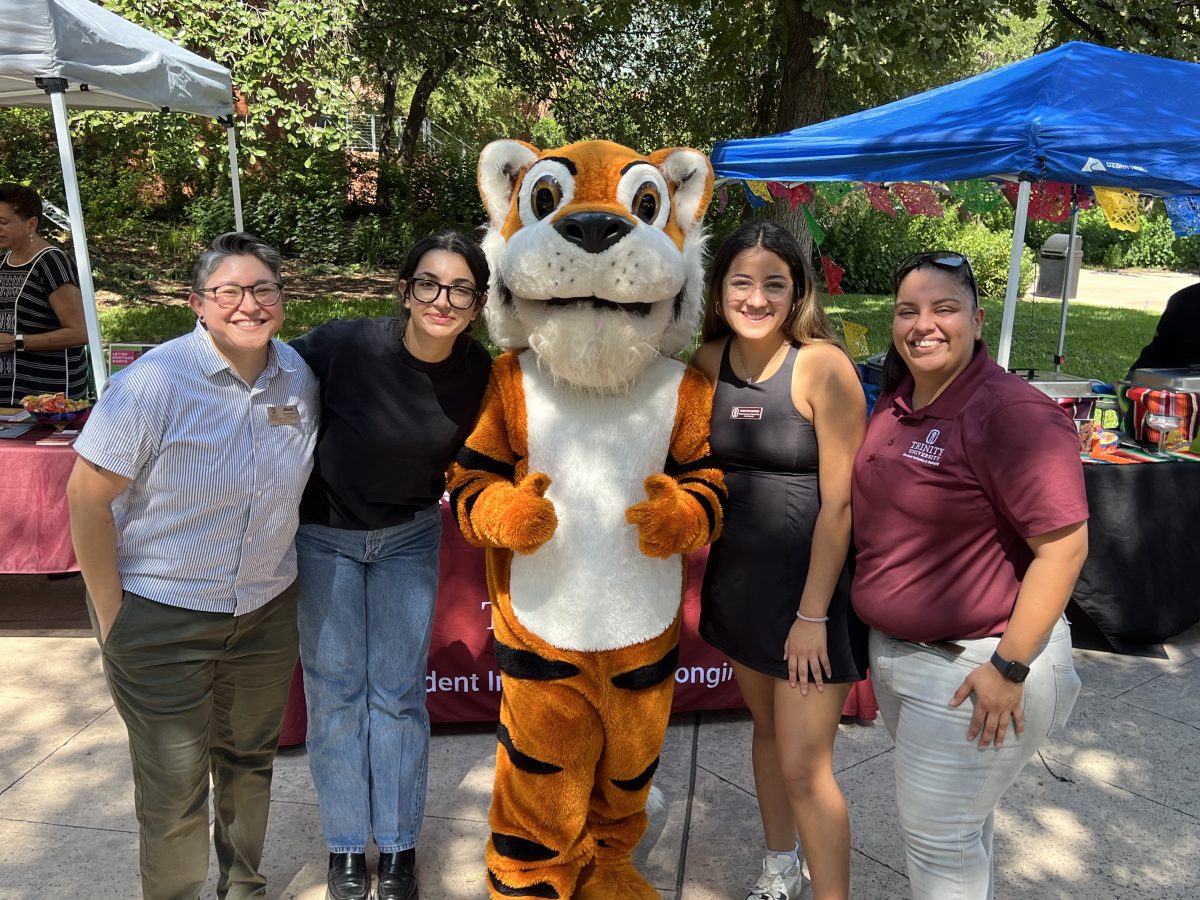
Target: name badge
[283,415]
[746,412]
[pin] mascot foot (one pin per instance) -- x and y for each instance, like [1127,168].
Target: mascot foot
[617,880]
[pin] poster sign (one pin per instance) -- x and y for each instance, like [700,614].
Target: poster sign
[122,355]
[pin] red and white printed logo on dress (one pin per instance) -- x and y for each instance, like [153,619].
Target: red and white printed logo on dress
[746,412]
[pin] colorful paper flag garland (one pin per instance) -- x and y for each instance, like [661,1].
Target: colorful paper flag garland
[918,199]
[977,195]
[1184,213]
[834,192]
[880,198]
[1120,207]
[833,275]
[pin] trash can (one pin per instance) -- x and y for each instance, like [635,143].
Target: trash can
[1053,268]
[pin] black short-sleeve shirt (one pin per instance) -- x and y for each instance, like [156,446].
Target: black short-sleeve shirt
[390,423]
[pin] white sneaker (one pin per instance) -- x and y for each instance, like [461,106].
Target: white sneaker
[780,880]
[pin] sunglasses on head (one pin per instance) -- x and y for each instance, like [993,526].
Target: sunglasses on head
[942,259]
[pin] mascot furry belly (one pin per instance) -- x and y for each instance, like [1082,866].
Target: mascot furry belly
[586,478]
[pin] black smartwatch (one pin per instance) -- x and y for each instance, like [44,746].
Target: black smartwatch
[18,341]
[1013,671]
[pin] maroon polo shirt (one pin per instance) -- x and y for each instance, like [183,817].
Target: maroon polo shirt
[945,496]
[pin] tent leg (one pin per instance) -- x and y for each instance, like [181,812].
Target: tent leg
[1004,351]
[66,155]
[234,177]
[1059,357]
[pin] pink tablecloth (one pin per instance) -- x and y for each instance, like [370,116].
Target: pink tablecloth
[35,528]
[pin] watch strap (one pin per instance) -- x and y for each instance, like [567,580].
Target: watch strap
[1011,670]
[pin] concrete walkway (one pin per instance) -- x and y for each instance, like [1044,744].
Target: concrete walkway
[1146,289]
[1113,811]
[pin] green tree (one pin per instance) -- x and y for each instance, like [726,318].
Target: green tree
[1159,27]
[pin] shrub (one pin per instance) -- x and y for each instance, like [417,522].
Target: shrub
[869,244]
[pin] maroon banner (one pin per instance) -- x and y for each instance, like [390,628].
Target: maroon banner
[463,683]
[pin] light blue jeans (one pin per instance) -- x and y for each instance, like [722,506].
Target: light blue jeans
[365,615]
[947,787]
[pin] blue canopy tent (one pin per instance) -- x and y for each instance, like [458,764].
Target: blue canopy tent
[1078,114]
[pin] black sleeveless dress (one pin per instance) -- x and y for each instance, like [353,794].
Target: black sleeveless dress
[757,569]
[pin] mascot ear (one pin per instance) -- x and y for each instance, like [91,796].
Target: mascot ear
[499,165]
[691,175]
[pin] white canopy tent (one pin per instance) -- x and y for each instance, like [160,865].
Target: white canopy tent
[60,53]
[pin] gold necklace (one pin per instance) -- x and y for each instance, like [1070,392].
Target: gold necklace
[753,379]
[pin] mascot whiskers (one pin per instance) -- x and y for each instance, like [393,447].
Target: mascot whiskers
[587,478]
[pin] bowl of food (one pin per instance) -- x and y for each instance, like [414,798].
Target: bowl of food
[56,410]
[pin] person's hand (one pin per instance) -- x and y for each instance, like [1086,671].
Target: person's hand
[8,342]
[996,701]
[805,649]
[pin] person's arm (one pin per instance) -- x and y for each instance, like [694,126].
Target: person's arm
[1057,558]
[67,304]
[90,493]
[828,384]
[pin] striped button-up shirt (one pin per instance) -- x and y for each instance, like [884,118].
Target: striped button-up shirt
[210,517]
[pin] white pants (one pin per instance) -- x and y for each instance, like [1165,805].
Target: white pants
[947,787]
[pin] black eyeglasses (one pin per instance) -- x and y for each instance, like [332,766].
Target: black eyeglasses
[943,259]
[227,296]
[427,290]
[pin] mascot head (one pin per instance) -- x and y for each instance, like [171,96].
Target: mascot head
[596,255]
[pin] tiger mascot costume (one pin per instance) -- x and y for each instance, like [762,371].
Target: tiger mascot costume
[586,478]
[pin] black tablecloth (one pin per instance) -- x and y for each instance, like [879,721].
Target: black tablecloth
[1139,585]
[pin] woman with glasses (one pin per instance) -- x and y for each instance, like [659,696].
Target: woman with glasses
[970,526]
[183,513]
[398,398]
[788,415]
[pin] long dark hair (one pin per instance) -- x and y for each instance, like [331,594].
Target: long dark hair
[806,322]
[895,369]
[451,242]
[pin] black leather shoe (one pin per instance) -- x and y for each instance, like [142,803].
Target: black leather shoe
[397,876]
[348,878]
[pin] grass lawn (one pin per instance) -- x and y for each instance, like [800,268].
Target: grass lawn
[1101,341]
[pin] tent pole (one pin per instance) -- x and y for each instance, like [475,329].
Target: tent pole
[234,177]
[56,88]
[1059,358]
[1014,275]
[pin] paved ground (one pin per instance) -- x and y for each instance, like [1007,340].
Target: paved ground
[1146,289]
[1113,811]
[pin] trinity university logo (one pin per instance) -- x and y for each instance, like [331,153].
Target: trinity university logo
[926,451]
[746,412]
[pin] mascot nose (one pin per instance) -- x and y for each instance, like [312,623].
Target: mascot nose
[594,232]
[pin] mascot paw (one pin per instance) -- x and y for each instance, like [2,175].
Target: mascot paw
[671,521]
[517,517]
[617,880]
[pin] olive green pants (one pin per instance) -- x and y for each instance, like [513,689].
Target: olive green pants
[201,693]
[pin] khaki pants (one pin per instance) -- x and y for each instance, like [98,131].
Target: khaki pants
[201,693]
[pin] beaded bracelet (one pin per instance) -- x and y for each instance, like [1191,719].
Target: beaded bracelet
[818,619]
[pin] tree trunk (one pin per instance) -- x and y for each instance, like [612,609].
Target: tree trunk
[387,140]
[801,96]
[430,79]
